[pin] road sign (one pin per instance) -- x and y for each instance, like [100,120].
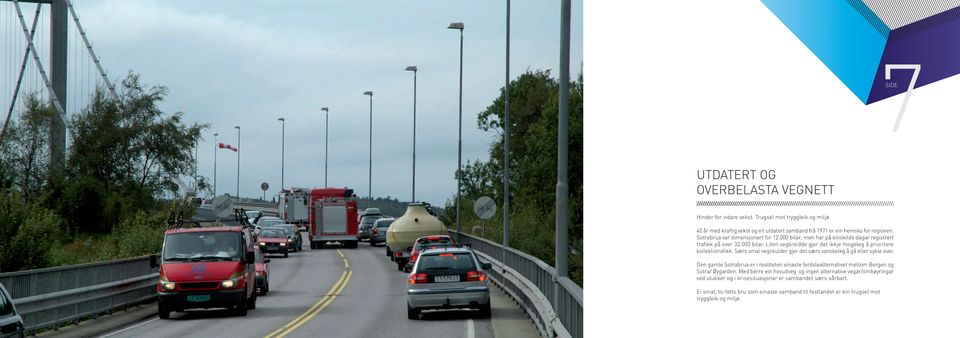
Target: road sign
[485,207]
[264,186]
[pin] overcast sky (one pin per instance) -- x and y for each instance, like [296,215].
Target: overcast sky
[247,63]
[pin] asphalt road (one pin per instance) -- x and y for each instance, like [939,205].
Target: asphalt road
[323,293]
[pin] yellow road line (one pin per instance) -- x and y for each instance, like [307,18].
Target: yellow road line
[313,307]
[315,312]
[340,253]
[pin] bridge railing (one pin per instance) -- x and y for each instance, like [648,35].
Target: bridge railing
[50,297]
[555,304]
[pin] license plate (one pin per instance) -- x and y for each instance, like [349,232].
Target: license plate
[198,298]
[446,278]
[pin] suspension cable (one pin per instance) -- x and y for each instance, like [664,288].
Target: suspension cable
[36,58]
[93,55]
[23,66]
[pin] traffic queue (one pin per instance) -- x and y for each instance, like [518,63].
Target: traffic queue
[212,264]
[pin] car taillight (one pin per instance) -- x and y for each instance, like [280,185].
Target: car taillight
[374,231]
[418,278]
[398,254]
[413,257]
[476,276]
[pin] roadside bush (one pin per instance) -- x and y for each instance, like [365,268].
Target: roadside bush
[138,235]
[30,247]
[82,206]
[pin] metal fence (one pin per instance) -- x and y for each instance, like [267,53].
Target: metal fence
[563,313]
[53,296]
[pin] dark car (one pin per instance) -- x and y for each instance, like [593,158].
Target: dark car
[294,239]
[11,324]
[380,227]
[365,229]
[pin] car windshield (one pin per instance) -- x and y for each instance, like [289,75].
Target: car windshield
[368,220]
[384,223]
[192,246]
[440,240]
[460,261]
[269,222]
[424,246]
[274,232]
[290,230]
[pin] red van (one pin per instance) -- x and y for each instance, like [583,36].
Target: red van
[207,265]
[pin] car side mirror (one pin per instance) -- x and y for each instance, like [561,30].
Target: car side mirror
[154,261]
[250,257]
[266,260]
[486,266]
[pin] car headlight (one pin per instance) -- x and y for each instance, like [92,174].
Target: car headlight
[283,244]
[168,285]
[289,240]
[263,243]
[259,274]
[230,283]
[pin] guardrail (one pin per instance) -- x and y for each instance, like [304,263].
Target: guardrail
[51,297]
[555,304]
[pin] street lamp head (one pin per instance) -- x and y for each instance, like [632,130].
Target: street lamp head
[216,134]
[456,25]
[325,109]
[368,93]
[412,68]
[236,127]
[281,119]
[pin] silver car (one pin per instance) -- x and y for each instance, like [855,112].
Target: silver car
[380,227]
[448,278]
[11,324]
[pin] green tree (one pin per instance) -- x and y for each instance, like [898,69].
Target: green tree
[129,139]
[25,151]
[533,161]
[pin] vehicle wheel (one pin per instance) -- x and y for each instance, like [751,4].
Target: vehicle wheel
[372,243]
[313,245]
[162,311]
[266,287]
[352,244]
[406,269]
[321,245]
[412,313]
[252,303]
[241,309]
[286,254]
[484,311]
[400,266]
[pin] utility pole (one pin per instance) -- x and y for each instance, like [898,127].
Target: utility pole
[326,143]
[506,143]
[215,145]
[563,122]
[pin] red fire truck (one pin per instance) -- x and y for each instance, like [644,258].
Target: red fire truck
[333,217]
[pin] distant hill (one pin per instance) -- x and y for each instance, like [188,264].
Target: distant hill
[390,206]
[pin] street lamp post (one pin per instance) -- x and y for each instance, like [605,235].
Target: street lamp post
[215,145]
[563,122]
[459,26]
[413,189]
[370,172]
[326,146]
[506,142]
[283,145]
[238,162]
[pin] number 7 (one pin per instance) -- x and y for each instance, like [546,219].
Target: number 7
[913,81]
